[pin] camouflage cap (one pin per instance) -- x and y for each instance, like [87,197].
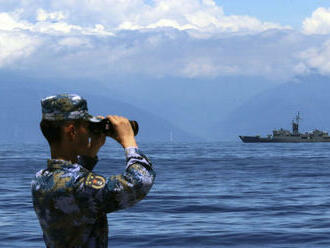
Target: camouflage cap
[65,107]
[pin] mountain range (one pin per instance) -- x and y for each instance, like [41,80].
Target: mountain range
[172,109]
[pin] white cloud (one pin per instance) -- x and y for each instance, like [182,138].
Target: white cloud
[20,38]
[43,15]
[74,42]
[301,69]
[246,24]
[186,38]
[174,53]
[318,23]
[153,53]
[204,67]
[317,58]
[56,28]
[11,22]
[116,15]
[15,46]
[71,23]
[203,16]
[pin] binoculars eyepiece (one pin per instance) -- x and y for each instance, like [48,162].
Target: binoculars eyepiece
[105,126]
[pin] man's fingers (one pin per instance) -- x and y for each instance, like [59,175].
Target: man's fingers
[111,118]
[115,119]
[123,131]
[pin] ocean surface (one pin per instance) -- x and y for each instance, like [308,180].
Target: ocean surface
[205,195]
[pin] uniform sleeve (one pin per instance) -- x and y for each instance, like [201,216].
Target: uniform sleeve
[87,162]
[124,190]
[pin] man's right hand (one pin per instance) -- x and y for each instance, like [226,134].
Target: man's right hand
[123,132]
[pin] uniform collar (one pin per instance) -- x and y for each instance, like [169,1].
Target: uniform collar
[58,163]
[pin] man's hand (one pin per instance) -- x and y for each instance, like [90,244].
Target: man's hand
[123,132]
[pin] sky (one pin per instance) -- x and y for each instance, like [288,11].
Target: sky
[191,39]
[284,12]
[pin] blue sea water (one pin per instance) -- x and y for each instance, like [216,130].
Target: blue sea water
[206,195]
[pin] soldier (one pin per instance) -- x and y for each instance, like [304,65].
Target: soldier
[70,200]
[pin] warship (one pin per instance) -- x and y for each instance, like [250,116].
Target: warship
[285,136]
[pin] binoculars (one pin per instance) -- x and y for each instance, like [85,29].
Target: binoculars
[105,126]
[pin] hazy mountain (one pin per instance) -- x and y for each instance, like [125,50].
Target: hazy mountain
[185,108]
[20,110]
[277,107]
[194,105]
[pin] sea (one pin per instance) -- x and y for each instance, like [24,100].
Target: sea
[218,194]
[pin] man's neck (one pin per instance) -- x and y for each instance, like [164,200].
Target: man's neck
[63,152]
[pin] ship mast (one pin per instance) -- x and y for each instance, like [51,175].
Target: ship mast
[295,125]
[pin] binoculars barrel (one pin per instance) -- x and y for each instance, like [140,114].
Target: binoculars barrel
[135,127]
[105,126]
[109,130]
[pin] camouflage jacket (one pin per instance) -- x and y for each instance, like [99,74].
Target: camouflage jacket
[71,201]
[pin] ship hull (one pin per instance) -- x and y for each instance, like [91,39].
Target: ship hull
[289,139]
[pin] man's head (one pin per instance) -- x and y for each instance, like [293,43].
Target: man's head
[65,118]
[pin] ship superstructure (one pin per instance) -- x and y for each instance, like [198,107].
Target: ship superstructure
[283,135]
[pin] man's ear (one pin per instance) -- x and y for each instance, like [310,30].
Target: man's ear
[70,131]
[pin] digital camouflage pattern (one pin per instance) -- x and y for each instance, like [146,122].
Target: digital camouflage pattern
[65,107]
[71,201]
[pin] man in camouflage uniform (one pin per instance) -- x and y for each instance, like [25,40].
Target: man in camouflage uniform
[70,200]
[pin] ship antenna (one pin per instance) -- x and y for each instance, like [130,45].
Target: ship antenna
[295,125]
[298,118]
